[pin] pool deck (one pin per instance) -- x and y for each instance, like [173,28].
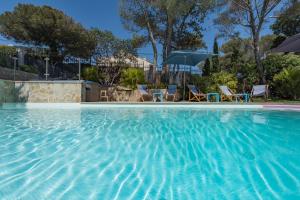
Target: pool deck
[203,105]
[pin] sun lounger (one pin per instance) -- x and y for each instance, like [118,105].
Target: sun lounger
[143,90]
[228,94]
[171,91]
[195,94]
[260,90]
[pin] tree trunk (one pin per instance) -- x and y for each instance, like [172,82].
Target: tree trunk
[167,43]
[256,52]
[153,43]
[168,39]
[154,47]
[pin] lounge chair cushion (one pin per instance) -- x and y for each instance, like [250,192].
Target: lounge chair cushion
[143,89]
[259,90]
[172,89]
[225,90]
[193,89]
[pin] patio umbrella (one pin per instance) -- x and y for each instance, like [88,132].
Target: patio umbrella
[186,57]
[291,44]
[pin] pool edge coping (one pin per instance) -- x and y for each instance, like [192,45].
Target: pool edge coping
[292,107]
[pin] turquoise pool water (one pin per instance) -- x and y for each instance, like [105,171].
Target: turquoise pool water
[135,153]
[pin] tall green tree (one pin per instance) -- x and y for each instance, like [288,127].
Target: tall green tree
[206,68]
[215,58]
[236,51]
[181,24]
[140,17]
[108,46]
[266,43]
[46,26]
[111,53]
[252,15]
[239,51]
[173,24]
[288,21]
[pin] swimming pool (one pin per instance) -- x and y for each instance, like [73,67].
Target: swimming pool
[149,153]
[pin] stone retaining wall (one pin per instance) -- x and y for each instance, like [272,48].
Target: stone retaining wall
[8,74]
[63,92]
[7,91]
[51,91]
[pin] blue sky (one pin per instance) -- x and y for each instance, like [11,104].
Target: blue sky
[102,14]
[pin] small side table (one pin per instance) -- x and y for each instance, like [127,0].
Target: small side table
[244,95]
[214,94]
[157,94]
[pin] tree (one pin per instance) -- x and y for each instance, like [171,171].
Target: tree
[236,52]
[46,26]
[241,48]
[206,68]
[175,24]
[111,54]
[181,23]
[108,46]
[215,58]
[288,21]
[132,76]
[252,15]
[139,17]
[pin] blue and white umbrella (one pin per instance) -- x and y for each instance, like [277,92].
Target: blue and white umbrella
[187,57]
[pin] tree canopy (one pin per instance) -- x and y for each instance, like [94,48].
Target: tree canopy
[288,21]
[111,55]
[174,24]
[140,17]
[46,26]
[108,46]
[252,15]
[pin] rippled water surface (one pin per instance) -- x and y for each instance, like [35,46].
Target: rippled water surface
[134,153]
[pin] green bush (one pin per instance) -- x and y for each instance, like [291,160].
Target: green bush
[29,69]
[202,83]
[8,50]
[275,63]
[131,77]
[248,71]
[91,74]
[286,84]
[4,62]
[157,86]
[222,78]
[211,83]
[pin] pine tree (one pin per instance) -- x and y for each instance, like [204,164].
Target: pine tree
[206,68]
[215,58]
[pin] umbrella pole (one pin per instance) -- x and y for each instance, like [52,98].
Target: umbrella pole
[183,85]
[184,78]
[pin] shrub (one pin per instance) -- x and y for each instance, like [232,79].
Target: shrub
[91,74]
[202,83]
[222,78]
[4,62]
[7,50]
[275,63]
[286,84]
[248,72]
[157,86]
[131,77]
[29,69]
